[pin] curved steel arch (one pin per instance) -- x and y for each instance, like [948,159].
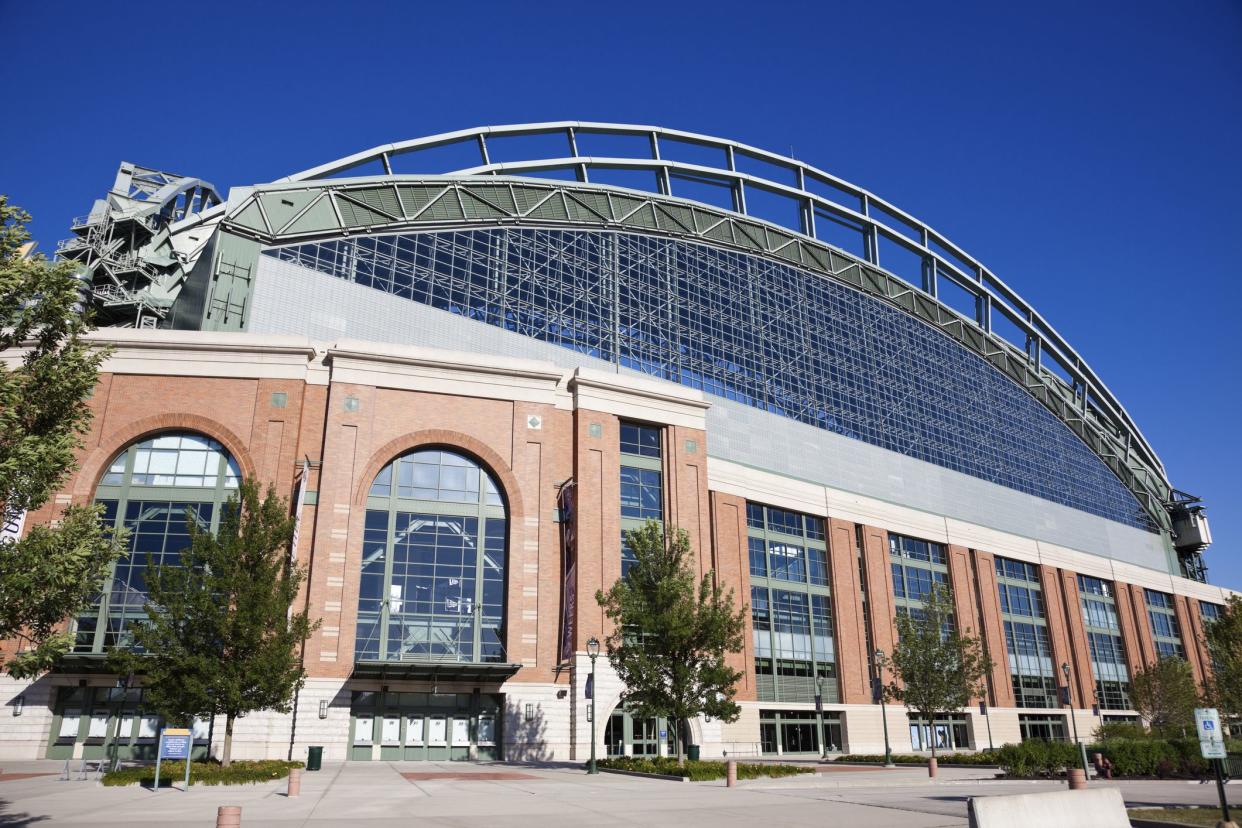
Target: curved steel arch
[296,212]
[990,293]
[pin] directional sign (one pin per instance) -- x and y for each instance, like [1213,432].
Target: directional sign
[1211,739]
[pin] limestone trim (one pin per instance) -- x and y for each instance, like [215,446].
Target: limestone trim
[633,398]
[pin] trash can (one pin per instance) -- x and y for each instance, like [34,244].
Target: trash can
[692,753]
[314,757]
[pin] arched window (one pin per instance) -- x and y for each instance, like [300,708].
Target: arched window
[432,584]
[150,489]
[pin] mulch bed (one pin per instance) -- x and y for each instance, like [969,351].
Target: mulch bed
[14,777]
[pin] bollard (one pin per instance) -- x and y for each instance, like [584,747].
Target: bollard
[295,782]
[228,816]
[1077,779]
[731,773]
[932,767]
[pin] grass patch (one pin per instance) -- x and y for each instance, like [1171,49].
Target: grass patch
[241,772]
[1181,816]
[700,771]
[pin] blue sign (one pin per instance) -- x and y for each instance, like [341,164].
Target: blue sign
[175,743]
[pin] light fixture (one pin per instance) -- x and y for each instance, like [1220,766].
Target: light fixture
[18,704]
[592,646]
[323,708]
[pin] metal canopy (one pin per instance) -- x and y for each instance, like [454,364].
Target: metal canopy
[434,671]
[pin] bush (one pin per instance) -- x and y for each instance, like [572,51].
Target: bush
[1164,758]
[1120,730]
[1037,758]
[701,771]
[203,773]
[983,757]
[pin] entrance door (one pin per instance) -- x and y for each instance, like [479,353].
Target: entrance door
[396,726]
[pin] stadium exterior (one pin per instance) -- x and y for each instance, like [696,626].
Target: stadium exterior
[474,360]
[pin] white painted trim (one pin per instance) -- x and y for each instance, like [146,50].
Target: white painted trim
[638,399]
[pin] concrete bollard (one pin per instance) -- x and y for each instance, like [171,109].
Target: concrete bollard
[295,782]
[932,767]
[228,816]
[1077,779]
[731,773]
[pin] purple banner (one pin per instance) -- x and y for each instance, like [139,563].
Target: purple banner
[567,503]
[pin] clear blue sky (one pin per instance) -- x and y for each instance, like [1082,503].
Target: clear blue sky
[1090,153]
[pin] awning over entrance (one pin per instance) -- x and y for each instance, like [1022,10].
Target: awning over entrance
[434,671]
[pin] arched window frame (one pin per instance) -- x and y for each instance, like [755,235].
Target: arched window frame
[382,513]
[117,491]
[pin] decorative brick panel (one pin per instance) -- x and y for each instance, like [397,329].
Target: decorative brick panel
[993,628]
[847,613]
[1084,677]
[732,565]
[879,576]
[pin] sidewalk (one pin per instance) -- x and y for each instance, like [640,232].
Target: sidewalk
[378,795]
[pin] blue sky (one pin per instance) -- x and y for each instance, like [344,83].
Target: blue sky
[1087,152]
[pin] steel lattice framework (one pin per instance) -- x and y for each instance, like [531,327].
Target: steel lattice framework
[483,185]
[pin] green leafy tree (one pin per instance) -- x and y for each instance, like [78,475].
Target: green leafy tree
[221,637]
[1165,695]
[671,637]
[936,668]
[47,375]
[1224,640]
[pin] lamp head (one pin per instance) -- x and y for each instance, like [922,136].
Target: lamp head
[592,646]
[1065,668]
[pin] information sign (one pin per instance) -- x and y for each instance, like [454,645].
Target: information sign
[175,743]
[1211,739]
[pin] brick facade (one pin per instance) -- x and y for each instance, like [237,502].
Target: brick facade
[534,428]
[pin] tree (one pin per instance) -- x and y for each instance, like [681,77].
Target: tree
[670,639]
[221,637]
[1165,695]
[55,571]
[936,668]
[1224,640]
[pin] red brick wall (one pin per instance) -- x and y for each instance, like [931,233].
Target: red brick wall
[732,565]
[847,613]
[993,628]
[1084,679]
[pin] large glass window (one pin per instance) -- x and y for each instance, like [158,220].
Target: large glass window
[1031,665]
[1108,662]
[642,482]
[1167,634]
[791,610]
[917,567]
[747,328]
[432,582]
[153,489]
[797,731]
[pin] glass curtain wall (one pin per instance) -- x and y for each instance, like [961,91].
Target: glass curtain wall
[1108,661]
[790,605]
[918,565]
[642,482]
[1026,634]
[154,489]
[1164,626]
[432,585]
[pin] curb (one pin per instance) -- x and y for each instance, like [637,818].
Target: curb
[664,777]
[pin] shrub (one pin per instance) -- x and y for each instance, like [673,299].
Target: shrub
[983,757]
[700,771]
[1120,730]
[203,773]
[1037,758]
[1163,758]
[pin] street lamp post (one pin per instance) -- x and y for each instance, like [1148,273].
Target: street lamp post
[592,646]
[1069,699]
[879,690]
[819,715]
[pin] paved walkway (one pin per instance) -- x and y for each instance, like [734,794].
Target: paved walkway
[381,794]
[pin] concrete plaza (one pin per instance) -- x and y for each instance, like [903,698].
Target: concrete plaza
[499,795]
